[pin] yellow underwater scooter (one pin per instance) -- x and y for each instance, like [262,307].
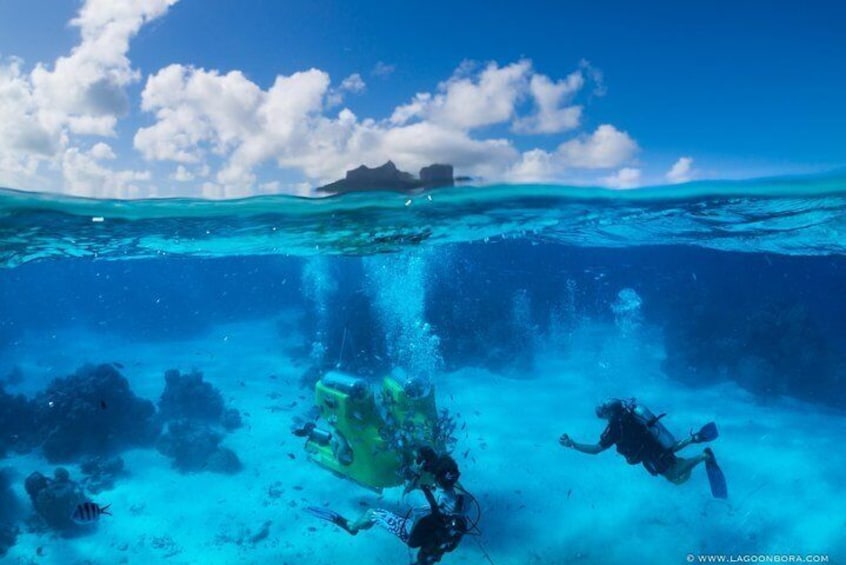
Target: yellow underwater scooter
[371,440]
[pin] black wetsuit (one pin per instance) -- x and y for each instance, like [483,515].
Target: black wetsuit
[636,444]
[437,533]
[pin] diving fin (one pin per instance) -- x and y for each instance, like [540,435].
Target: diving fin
[708,432]
[716,478]
[330,516]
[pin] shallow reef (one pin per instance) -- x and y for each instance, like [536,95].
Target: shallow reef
[92,412]
[187,395]
[194,446]
[194,411]
[92,415]
[54,500]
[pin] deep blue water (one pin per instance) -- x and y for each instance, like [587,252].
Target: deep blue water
[696,295]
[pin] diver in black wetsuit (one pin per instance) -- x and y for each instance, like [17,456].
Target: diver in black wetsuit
[641,438]
[435,530]
[429,468]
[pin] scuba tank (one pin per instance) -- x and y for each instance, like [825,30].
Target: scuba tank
[653,425]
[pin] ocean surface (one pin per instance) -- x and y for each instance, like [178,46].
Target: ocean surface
[161,353]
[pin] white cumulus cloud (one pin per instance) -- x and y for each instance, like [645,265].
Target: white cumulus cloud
[102,151]
[553,115]
[46,114]
[627,177]
[197,111]
[182,174]
[24,140]
[681,171]
[535,165]
[85,91]
[469,100]
[201,114]
[605,148]
[494,95]
[353,83]
[84,175]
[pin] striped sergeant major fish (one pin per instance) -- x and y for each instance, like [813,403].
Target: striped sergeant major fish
[89,512]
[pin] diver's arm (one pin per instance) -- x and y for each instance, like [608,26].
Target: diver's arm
[590,448]
[411,482]
[430,498]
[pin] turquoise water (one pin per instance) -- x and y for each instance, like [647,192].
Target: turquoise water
[801,216]
[522,306]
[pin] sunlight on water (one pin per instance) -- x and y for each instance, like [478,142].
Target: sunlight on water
[801,216]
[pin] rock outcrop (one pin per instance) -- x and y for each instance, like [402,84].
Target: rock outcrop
[436,175]
[388,177]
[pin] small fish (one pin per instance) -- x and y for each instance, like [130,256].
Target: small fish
[89,512]
[103,405]
[117,365]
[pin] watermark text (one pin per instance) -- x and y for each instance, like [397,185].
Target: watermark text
[757,558]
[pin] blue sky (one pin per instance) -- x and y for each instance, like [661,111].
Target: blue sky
[225,99]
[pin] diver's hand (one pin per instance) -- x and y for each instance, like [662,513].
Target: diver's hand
[566,441]
[411,484]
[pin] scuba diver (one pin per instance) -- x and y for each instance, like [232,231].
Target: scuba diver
[431,469]
[641,437]
[434,530]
